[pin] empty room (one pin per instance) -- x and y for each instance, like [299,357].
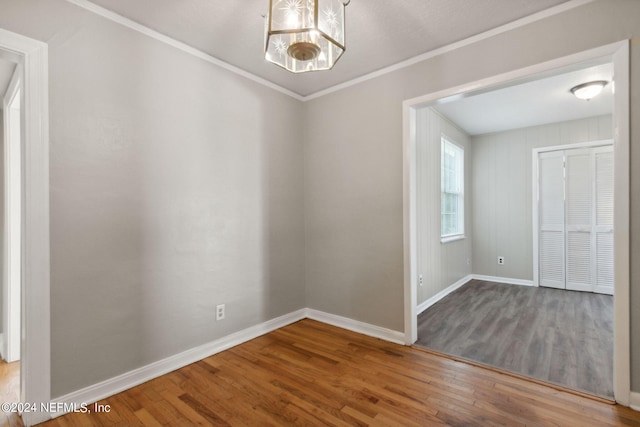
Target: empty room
[525,228]
[215,213]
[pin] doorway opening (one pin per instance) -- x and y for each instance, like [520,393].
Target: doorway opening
[30,60]
[466,261]
[11,212]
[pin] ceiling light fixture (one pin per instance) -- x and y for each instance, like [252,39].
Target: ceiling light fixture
[305,35]
[588,90]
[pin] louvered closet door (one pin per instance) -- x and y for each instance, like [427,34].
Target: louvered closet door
[603,230]
[551,217]
[580,247]
[576,219]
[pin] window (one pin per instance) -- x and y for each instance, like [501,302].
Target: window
[452,191]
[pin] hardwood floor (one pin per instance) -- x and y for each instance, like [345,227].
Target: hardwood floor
[9,391]
[562,337]
[310,374]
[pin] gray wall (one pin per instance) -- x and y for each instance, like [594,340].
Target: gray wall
[440,264]
[501,193]
[175,186]
[353,161]
[353,204]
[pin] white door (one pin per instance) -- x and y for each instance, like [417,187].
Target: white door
[579,219]
[576,219]
[551,214]
[603,228]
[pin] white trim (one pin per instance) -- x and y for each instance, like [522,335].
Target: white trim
[571,4]
[535,218]
[514,76]
[444,140]
[634,401]
[120,383]
[36,347]
[12,219]
[452,238]
[112,16]
[119,19]
[466,279]
[410,222]
[356,326]
[443,293]
[622,231]
[619,52]
[535,203]
[507,280]
[138,376]
[588,144]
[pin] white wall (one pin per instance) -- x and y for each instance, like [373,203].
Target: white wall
[440,264]
[501,192]
[2,266]
[354,160]
[175,186]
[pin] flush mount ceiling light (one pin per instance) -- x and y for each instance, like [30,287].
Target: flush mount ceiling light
[588,90]
[305,35]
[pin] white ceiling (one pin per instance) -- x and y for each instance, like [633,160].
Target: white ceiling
[538,102]
[380,33]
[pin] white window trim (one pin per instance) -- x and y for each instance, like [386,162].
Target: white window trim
[446,238]
[452,238]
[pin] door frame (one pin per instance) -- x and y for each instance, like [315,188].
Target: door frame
[618,54]
[10,292]
[35,372]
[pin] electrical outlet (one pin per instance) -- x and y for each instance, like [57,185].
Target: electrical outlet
[420,281]
[220,312]
[501,260]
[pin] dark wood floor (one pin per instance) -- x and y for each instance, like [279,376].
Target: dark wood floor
[312,374]
[563,337]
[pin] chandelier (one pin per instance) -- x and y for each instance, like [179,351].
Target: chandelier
[305,35]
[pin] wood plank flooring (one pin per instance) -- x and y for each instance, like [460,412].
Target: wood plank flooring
[562,337]
[311,374]
[9,391]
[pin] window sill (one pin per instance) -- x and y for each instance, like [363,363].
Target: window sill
[452,238]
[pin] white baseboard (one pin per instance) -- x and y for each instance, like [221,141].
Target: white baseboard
[440,295]
[356,326]
[443,293]
[634,401]
[2,346]
[506,280]
[138,376]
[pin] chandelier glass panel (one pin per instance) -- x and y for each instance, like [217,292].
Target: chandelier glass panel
[305,35]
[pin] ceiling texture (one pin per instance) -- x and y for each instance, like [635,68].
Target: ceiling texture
[538,102]
[380,33]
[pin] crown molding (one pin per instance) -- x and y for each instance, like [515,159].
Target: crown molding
[119,19]
[112,16]
[571,4]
